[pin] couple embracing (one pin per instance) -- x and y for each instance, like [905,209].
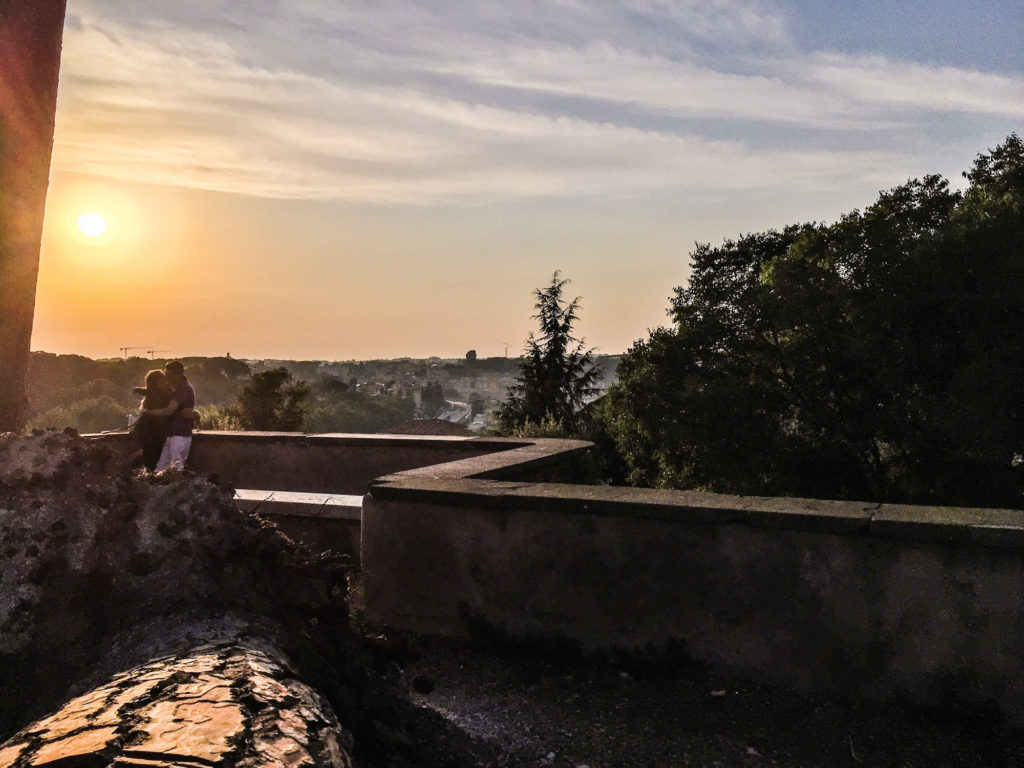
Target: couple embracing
[164,429]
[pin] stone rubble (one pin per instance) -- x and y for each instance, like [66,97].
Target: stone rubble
[146,621]
[88,549]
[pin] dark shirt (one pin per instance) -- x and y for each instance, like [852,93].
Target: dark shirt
[186,398]
[150,428]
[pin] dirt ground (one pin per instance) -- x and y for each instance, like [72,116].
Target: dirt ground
[542,711]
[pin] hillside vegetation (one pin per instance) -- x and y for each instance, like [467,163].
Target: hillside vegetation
[311,396]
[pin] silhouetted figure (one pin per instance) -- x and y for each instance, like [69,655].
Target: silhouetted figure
[181,409]
[151,430]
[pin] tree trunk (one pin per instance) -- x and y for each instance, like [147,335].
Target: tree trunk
[30,43]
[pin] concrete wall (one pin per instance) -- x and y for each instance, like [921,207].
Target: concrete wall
[863,599]
[322,463]
[345,464]
[332,472]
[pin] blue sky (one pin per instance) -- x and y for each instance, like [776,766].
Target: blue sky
[447,157]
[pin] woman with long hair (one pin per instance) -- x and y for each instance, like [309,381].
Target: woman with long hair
[151,430]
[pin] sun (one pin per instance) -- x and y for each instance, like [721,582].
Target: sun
[92,224]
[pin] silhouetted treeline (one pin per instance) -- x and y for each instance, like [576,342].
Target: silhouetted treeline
[877,358]
[350,396]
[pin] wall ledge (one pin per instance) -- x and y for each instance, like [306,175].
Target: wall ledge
[501,473]
[981,527]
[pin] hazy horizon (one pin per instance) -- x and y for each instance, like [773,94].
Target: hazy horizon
[340,361]
[321,181]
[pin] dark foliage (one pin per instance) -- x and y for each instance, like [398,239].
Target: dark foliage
[556,373]
[271,400]
[96,395]
[359,413]
[432,397]
[879,357]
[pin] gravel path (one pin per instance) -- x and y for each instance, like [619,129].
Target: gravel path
[540,712]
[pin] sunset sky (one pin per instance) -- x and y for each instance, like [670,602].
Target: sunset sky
[331,179]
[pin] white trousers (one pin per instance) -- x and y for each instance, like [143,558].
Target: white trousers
[175,452]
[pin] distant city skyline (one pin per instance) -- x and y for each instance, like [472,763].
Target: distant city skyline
[309,179]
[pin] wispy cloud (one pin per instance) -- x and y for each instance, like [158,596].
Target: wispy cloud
[404,102]
[875,82]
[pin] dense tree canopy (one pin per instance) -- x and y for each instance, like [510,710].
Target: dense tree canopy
[556,373]
[271,400]
[356,412]
[878,357]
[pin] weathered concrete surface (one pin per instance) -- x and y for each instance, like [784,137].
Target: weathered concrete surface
[854,598]
[348,464]
[220,703]
[30,44]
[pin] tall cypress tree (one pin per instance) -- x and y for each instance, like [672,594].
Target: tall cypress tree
[556,373]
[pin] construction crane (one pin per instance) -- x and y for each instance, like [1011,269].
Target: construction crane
[124,350]
[157,351]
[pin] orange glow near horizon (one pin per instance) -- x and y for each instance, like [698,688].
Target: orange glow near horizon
[204,273]
[105,259]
